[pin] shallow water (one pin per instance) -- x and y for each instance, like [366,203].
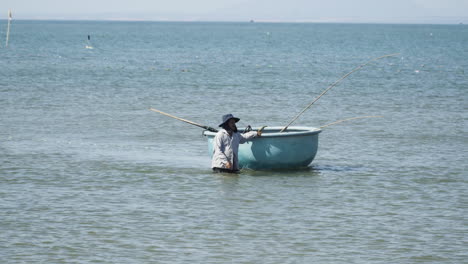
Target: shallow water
[89,174]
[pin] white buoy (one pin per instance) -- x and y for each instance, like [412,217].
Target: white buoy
[89,46]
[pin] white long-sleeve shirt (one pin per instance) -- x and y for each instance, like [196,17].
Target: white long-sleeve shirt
[226,147]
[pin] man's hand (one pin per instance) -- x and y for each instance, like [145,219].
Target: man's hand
[260,131]
[228,165]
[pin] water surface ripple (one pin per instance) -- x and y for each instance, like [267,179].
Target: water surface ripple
[89,175]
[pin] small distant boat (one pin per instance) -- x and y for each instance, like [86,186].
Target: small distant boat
[294,148]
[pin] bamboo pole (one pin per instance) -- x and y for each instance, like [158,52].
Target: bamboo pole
[333,85]
[8,28]
[184,120]
[339,121]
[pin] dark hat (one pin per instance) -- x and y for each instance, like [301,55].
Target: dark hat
[227,117]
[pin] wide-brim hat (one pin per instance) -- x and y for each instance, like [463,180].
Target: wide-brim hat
[227,117]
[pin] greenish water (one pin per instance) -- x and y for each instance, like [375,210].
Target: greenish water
[89,175]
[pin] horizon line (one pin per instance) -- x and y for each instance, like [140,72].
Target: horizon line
[305,21]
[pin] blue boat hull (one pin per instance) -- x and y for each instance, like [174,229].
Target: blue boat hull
[294,148]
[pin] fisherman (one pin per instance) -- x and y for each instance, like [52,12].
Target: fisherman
[226,145]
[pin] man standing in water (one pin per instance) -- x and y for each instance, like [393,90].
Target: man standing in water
[226,145]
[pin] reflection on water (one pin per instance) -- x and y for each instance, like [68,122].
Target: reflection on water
[338,168]
[309,171]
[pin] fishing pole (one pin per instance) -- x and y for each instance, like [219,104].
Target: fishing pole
[359,117]
[333,85]
[184,120]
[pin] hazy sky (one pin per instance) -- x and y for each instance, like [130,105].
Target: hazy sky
[391,11]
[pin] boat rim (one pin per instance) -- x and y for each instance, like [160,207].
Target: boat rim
[291,131]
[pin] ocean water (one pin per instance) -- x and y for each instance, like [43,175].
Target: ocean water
[89,175]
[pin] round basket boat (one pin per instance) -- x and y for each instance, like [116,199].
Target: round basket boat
[294,148]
